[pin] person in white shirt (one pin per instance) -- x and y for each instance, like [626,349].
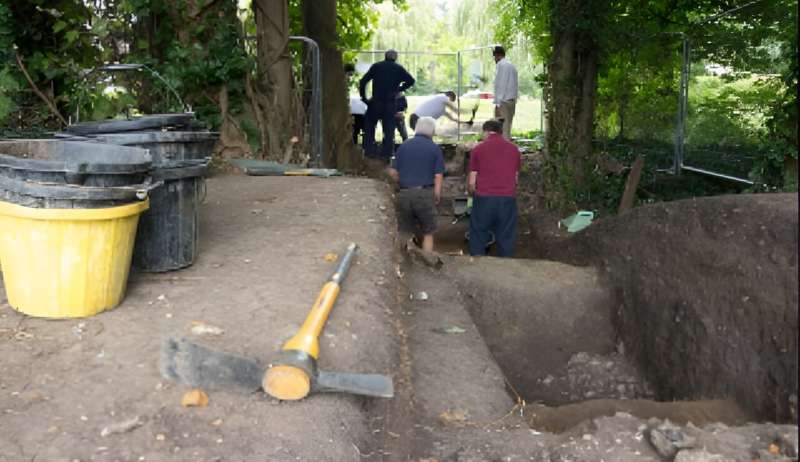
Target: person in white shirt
[357,109]
[505,90]
[435,106]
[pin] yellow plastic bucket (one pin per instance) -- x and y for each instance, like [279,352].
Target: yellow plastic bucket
[67,263]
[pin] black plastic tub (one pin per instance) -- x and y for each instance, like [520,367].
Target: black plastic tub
[73,162]
[176,121]
[167,236]
[35,194]
[166,147]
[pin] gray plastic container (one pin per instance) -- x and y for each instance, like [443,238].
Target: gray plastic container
[179,121]
[73,162]
[40,195]
[165,147]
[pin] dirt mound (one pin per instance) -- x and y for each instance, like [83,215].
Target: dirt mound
[561,418]
[708,296]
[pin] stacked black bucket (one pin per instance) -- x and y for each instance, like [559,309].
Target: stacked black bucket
[56,174]
[167,236]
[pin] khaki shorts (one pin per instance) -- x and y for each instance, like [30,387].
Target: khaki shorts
[416,210]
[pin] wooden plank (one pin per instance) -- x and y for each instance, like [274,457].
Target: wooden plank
[631,184]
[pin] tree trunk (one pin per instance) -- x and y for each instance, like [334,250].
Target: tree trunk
[274,100]
[572,76]
[232,139]
[319,19]
[146,29]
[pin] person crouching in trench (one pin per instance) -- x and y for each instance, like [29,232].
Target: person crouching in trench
[418,168]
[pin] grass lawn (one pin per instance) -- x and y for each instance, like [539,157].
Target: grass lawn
[528,117]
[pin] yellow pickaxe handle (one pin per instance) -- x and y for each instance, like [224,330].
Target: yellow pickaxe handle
[287,381]
[307,338]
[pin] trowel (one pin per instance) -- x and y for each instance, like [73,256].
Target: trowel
[291,375]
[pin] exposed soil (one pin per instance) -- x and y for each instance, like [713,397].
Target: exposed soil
[708,296]
[461,405]
[563,418]
[535,315]
[492,359]
[259,269]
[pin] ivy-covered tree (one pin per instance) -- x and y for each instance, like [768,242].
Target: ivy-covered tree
[598,52]
[241,87]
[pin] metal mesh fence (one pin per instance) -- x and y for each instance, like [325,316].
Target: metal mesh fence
[726,114]
[477,89]
[700,113]
[470,74]
[434,73]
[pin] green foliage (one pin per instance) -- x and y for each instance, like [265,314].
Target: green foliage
[55,43]
[527,18]
[730,122]
[194,55]
[194,50]
[447,27]
[603,191]
[730,111]
[8,87]
[637,98]
[8,83]
[356,22]
[747,122]
[770,173]
[106,104]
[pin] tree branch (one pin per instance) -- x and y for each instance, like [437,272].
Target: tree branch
[204,9]
[38,92]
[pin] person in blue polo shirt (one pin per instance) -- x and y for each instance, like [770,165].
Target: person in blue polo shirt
[418,167]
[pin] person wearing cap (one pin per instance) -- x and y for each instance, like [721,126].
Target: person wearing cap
[388,79]
[505,90]
[435,106]
[418,168]
[492,180]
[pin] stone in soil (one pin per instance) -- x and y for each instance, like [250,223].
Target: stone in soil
[609,376]
[668,439]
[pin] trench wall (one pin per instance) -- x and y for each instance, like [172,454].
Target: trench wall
[707,296]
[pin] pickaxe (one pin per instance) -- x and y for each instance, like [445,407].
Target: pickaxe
[292,374]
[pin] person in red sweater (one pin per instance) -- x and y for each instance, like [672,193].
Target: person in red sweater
[492,180]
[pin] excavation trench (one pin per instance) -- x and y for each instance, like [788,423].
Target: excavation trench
[654,331]
[549,327]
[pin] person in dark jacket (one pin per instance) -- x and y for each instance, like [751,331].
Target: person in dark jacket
[388,79]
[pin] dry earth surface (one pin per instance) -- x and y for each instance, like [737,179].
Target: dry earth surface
[500,360]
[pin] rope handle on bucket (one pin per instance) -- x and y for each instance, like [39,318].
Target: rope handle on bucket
[142,193]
